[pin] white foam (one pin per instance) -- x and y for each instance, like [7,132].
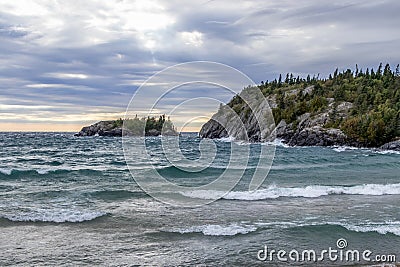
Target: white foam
[58,216]
[375,151]
[235,228]
[344,148]
[385,152]
[6,171]
[216,230]
[278,142]
[383,229]
[312,191]
[45,171]
[227,139]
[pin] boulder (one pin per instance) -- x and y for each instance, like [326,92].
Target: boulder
[318,136]
[394,145]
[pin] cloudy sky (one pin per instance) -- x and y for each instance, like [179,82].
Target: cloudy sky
[65,64]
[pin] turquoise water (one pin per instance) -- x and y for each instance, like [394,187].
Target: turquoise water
[66,200]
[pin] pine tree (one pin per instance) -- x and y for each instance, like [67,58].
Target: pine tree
[379,71]
[387,71]
[287,78]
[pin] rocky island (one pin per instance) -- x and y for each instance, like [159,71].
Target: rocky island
[149,126]
[352,108]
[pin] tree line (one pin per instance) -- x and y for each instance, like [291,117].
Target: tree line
[374,95]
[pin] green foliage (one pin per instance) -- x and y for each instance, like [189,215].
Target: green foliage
[118,123]
[374,118]
[144,125]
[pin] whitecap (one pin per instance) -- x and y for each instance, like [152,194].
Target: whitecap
[228,139]
[383,229]
[6,171]
[278,142]
[386,152]
[57,216]
[216,230]
[344,148]
[312,191]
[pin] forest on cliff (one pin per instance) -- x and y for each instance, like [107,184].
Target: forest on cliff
[364,104]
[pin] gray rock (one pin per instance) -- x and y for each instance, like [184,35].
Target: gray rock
[153,132]
[318,136]
[307,130]
[110,128]
[394,145]
[344,106]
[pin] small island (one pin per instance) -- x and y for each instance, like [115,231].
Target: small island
[149,126]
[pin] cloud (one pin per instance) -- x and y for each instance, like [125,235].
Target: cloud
[91,56]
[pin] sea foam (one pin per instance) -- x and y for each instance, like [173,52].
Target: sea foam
[383,229]
[312,191]
[59,216]
[6,171]
[216,230]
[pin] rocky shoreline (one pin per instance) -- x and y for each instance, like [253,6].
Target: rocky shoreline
[115,128]
[310,131]
[349,108]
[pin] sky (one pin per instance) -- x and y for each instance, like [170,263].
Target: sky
[66,64]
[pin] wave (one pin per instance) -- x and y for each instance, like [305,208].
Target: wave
[371,150]
[371,227]
[246,228]
[175,172]
[6,171]
[113,195]
[216,230]
[59,216]
[383,229]
[385,152]
[345,148]
[44,171]
[312,191]
[278,142]
[228,139]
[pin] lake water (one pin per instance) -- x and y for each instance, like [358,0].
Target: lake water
[66,200]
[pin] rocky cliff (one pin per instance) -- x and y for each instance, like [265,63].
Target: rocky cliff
[310,131]
[101,128]
[350,108]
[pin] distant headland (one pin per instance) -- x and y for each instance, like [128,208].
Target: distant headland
[149,126]
[358,108]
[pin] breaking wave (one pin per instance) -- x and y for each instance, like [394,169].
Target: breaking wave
[312,191]
[216,230]
[59,216]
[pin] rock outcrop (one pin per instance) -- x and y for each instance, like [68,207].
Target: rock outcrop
[395,145]
[102,128]
[255,126]
[348,108]
[116,128]
[318,136]
[310,130]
